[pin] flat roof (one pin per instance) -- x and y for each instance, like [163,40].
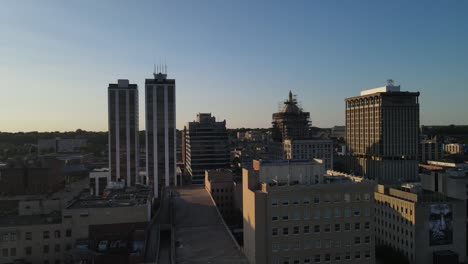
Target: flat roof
[202,236]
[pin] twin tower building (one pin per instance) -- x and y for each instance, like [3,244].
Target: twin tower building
[160,137]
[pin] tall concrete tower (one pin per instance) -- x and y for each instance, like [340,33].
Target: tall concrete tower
[160,118]
[123,132]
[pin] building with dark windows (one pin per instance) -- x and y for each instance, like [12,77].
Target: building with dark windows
[206,146]
[123,132]
[382,134]
[160,131]
[424,226]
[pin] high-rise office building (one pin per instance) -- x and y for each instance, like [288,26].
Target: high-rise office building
[160,131]
[123,132]
[294,213]
[382,134]
[206,146]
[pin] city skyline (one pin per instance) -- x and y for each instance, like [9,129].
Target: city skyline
[220,52]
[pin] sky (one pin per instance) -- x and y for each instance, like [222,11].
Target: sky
[234,59]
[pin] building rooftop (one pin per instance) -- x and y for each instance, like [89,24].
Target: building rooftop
[413,194]
[114,198]
[200,231]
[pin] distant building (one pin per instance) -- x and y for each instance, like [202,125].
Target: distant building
[430,150]
[338,132]
[291,122]
[38,176]
[206,146]
[310,149]
[294,213]
[98,179]
[426,227]
[60,229]
[453,148]
[382,134]
[123,132]
[61,145]
[220,184]
[160,118]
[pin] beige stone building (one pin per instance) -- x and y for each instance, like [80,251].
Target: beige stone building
[294,213]
[310,149]
[382,134]
[426,227]
[220,184]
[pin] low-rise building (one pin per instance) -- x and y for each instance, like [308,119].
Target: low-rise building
[220,184]
[98,179]
[430,150]
[295,213]
[426,227]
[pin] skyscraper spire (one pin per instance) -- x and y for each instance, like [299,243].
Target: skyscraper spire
[290,96]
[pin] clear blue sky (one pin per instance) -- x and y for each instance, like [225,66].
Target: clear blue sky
[235,59]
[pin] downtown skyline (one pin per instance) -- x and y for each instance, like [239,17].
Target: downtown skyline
[227,61]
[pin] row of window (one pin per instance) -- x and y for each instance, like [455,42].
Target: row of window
[357,255]
[326,199]
[327,213]
[296,230]
[28,250]
[47,235]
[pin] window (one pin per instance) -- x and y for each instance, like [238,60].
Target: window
[57,247]
[45,249]
[275,247]
[337,212]
[5,237]
[68,233]
[274,232]
[317,214]
[367,254]
[13,236]
[306,200]
[337,257]
[306,214]
[327,228]
[367,225]
[367,239]
[317,258]
[68,247]
[357,212]
[357,240]
[347,212]
[327,213]
[357,255]
[274,202]
[285,217]
[327,257]
[337,227]
[295,202]
[296,230]
[57,233]
[296,215]
[357,226]
[306,229]
[285,231]
[318,244]
[348,255]
[306,260]
[366,197]
[28,251]
[317,228]
[274,218]
[316,199]
[347,226]
[45,234]
[5,252]
[285,202]
[13,252]
[347,197]
[357,197]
